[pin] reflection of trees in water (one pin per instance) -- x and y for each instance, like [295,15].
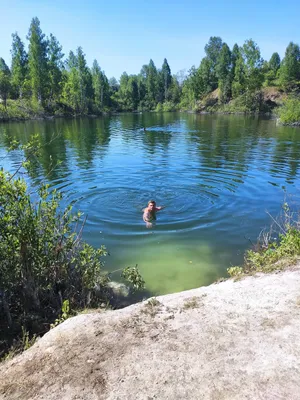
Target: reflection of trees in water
[158,132]
[152,140]
[52,146]
[222,141]
[286,153]
[227,146]
[233,142]
[83,135]
[128,121]
[102,127]
[159,119]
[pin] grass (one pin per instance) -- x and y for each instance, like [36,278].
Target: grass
[20,345]
[191,303]
[277,249]
[152,307]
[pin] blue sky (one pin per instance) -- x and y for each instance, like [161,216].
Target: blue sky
[124,35]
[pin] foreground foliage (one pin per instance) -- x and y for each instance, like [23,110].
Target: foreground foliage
[45,267]
[290,111]
[276,249]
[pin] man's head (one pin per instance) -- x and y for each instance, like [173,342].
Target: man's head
[151,205]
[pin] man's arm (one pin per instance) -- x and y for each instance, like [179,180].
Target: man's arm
[158,208]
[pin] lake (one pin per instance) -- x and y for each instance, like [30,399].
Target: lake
[217,175]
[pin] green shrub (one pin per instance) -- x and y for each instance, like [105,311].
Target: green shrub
[42,258]
[276,249]
[287,247]
[290,111]
[235,271]
[159,107]
[276,255]
[169,106]
[247,102]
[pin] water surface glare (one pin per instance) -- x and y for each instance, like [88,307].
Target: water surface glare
[216,175]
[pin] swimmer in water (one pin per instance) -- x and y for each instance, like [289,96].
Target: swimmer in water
[149,215]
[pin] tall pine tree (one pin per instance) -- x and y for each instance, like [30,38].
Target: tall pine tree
[151,85]
[223,70]
[37,61]
[166,79]
[290,69]
[55,67]
[4,81]
[19,65]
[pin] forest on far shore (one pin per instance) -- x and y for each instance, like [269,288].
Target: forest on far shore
[41,80]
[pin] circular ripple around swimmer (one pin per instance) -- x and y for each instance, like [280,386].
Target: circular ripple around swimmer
[118,211]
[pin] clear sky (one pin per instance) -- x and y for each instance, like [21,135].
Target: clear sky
[124,34]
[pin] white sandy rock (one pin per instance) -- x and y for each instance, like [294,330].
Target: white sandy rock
[232,340]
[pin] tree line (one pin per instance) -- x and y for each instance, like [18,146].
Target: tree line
[49,81]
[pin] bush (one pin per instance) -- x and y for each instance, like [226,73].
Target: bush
[247,102]
[169,106]
[290,111]
[43,260]
[159,107]
[21,109]
[274,250]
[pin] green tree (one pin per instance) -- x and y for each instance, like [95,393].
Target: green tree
[192,88]
[270,69]
[290,69]
[113,84]
[78,90]
[85,82]
[151,85]
[223,70]
[5,85]
[128,95]
[133,92]
[113,87]
[123,92]
[235,54]
[142,87]
[19,65]
[253,64]
[55,66]
[71,61]
[239,80]
[274,63]
[71,89]
[205,78]
[175,90]
[212,50]
[100,85]
[37,61]
[166,79]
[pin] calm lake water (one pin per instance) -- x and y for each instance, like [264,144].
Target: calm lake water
[216,175]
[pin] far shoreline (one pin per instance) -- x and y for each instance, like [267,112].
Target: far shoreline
[271,115]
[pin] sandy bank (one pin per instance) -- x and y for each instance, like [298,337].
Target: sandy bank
[232,340]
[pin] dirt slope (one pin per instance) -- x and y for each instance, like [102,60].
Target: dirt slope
[232,340]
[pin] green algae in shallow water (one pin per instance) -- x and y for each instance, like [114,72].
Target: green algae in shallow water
[169,267]
[176,268]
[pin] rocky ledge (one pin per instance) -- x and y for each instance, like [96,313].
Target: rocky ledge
[232,340]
